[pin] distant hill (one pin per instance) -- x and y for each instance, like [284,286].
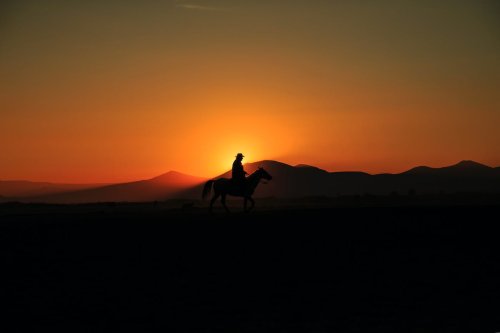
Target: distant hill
[289,181]
[305,166]
[22,188]
[295,181]
[463,168]
[159,188]
[304,180]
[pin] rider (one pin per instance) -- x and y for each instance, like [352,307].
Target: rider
[238,173]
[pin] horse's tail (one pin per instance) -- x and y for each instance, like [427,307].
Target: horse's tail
[206,189]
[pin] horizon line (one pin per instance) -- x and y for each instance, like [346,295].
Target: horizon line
[104,183]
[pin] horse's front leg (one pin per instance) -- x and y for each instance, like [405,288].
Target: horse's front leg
[245,204]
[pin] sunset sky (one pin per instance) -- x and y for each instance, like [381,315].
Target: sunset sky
[111,91]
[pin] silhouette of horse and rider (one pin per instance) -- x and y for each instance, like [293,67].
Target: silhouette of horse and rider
[238,185]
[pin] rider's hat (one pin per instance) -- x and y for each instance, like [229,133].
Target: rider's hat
[240,155]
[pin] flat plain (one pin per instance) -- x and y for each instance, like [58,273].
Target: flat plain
[331,268]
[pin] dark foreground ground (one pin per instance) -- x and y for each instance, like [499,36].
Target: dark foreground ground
[338,269]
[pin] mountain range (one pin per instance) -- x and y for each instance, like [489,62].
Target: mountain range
[288,182]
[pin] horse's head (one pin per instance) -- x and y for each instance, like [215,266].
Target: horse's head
[264,174]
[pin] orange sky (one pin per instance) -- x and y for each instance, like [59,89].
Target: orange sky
[117,90]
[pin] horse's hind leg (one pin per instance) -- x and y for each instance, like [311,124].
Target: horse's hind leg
[252,203]
[245,204]
[223,200]
[216,195]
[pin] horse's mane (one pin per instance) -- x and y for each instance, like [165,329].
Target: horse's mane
[254,173]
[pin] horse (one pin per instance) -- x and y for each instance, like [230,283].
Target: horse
[225,186]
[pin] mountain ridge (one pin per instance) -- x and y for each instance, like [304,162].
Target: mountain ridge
[290,181]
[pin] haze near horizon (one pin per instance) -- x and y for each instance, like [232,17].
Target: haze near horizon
[118,90]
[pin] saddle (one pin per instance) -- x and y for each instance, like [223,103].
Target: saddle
[238,185]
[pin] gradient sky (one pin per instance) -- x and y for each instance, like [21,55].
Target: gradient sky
[107,91]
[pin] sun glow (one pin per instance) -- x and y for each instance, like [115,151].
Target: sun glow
[209,147]
[99,102]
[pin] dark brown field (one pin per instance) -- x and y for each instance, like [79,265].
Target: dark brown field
[322,267]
